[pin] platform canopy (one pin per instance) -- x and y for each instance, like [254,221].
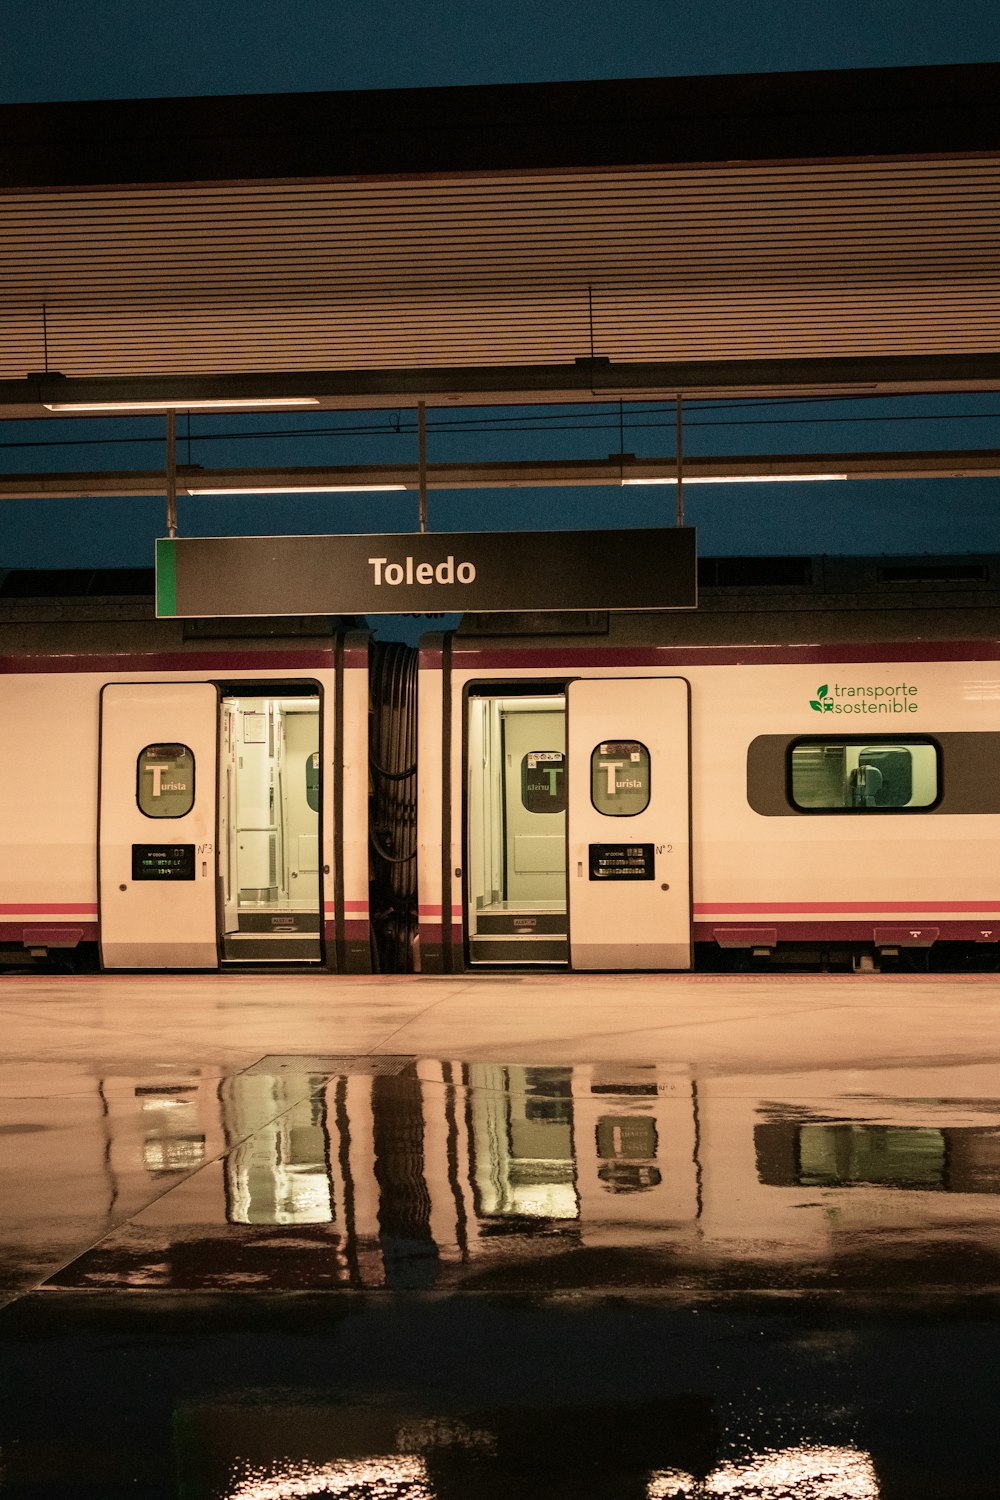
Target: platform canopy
[813,232]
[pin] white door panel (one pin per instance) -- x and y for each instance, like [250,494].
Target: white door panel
[629,823]
[158,872]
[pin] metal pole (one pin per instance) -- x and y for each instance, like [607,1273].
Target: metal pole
[422,460]
[171,473]
[680,459]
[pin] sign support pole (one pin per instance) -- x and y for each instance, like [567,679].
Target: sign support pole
[422,460]
[171,473]
[680,459]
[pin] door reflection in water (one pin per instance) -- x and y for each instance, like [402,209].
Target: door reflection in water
[279,1173]
[521,1143]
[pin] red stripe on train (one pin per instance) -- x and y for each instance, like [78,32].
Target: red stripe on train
[173,661]
[789,908]
[475,658]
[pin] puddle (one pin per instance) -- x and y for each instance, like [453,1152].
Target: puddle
[421,1174]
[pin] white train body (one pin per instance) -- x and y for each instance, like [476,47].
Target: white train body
[247,873]
[793,772]
[776,696]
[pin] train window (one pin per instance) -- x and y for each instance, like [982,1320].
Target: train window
[619,778]
[855,776]
[165,781]
[311,764]
[543,781]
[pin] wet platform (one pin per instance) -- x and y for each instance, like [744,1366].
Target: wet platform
[536,1235]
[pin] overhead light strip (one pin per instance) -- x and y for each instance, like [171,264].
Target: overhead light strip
[739,479]
[298,489]
[217,404]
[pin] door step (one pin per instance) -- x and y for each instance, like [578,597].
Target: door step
[279,921]
[511,949]
[271,947]
[521,923]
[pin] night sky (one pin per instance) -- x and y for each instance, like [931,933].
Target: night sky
[120,49]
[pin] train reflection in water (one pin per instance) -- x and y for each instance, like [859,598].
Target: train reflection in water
[424,1174]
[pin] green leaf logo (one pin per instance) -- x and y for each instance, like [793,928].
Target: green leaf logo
[822,692]
[817,706]
[822,703]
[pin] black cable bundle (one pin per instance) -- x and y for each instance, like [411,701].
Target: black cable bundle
[392,822]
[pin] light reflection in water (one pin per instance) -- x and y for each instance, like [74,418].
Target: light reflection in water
[391,1478]
[804,1473]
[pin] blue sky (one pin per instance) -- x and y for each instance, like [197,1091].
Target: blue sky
[65,50]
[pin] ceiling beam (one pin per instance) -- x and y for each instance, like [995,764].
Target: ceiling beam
[527,127]
[541,474]
[511,385]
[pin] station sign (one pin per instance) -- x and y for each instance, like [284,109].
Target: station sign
[425,573]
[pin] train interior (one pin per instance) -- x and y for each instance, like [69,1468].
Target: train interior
[516,827]
[269,843]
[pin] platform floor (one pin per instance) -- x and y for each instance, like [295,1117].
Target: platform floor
[718,1021]
[549,1235]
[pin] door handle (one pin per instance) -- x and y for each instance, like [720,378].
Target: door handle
[579,869]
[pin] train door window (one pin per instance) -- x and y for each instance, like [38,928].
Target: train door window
[165,781]
[269,835]
[543,781]
[311,766]
[619,778]
[858,776]
[515,808]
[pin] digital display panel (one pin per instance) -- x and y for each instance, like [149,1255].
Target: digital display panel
[622,862]
[162,861]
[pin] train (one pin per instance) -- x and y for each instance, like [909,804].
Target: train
[804,771]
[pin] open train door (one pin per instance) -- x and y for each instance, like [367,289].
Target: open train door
[156,825]
[629,823]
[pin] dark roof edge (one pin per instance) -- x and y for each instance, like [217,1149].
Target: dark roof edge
[871,112]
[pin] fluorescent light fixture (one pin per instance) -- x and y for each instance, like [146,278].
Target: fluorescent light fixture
[739,479]
[219,404]
[298,489]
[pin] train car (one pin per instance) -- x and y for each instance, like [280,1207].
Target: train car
[805,769]
[179,795]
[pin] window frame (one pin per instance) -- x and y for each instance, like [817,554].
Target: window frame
[903,740]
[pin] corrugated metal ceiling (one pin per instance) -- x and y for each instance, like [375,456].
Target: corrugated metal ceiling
[724,262]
